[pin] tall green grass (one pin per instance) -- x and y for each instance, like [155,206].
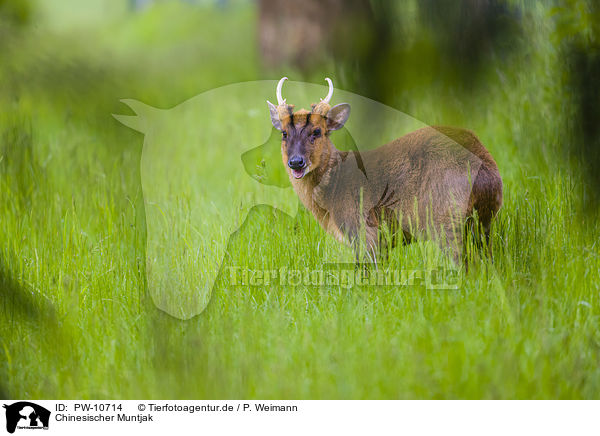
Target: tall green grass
[76,320]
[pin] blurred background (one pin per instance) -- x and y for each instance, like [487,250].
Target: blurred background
[467,62]
[75,318]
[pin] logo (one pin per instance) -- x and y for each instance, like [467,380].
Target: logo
[198,195]
[26,415]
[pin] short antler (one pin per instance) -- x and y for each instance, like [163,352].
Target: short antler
[280,99]
[330,93]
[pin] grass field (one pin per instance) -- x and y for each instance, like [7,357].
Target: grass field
[76,319]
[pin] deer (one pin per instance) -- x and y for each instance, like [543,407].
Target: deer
[432,183]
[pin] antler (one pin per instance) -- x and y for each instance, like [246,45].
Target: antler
[280,99]
[330,93]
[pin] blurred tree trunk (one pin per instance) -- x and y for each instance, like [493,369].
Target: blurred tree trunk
[578,32]
[370,46]
[468,30]
[302,34]
[305,35]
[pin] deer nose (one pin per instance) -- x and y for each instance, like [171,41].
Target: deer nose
[296,162]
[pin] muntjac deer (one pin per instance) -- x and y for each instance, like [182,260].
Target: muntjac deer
[428,183]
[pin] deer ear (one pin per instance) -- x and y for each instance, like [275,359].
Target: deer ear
[337,116]
[274,116]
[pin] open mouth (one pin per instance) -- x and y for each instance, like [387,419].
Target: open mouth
[299,173]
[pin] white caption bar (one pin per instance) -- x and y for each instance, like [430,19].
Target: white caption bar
[21,417]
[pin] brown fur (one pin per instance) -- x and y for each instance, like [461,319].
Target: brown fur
[424,184]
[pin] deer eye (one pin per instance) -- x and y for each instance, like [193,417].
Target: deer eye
[317,132]
[284,135]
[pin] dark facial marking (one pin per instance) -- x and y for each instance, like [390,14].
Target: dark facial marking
[307,120]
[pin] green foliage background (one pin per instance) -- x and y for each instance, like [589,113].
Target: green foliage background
[75,317]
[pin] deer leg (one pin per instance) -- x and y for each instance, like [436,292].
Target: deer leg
[384,246]
[481,237]
[454,243]
[365,251]
[488,240]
